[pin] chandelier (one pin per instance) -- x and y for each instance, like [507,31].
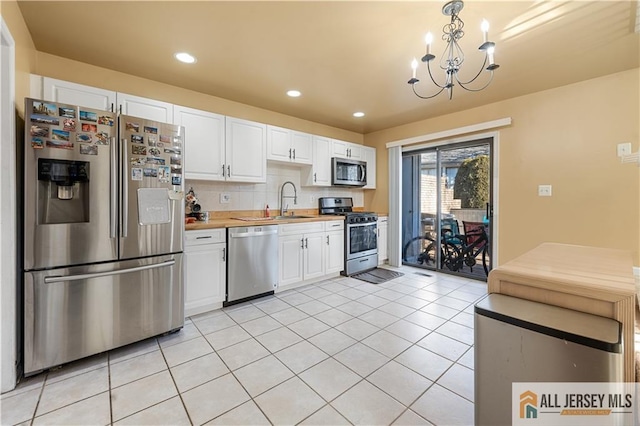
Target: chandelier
[453,57]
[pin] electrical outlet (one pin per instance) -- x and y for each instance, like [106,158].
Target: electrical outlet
[544,190]
[225,198]
[624,149]
[312,199]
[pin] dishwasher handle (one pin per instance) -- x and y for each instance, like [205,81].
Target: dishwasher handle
[253,234]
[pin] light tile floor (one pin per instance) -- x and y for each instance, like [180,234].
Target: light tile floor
[341,351]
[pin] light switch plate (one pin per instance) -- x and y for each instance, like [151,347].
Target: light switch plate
[224,198]
[624,149]
[544,190]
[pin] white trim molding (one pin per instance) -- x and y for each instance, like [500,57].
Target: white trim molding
[460,134]
[8,273]
[479,127]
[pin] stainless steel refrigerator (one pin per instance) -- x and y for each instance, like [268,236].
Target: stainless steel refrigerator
[103,232]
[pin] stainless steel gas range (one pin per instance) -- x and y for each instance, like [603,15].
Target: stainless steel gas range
[361,234]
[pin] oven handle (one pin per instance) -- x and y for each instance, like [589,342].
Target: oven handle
[351,225]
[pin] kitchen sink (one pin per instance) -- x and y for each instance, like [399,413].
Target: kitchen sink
[293,217]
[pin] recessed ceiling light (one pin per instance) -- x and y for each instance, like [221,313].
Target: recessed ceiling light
[185,57]
[358,114]
[294,93]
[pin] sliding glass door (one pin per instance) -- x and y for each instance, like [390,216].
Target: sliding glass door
[446,208]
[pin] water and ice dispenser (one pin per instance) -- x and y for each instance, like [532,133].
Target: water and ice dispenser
[63,191]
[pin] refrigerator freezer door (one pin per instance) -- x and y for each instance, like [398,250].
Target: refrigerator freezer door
[152,207]
[70,185]
[75,312]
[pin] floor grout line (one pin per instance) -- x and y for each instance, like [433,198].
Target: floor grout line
[352,292]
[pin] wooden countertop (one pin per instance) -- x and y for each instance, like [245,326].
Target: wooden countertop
[593,280]
[234,223]
[606,273]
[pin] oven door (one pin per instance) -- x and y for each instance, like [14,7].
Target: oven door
[362,239]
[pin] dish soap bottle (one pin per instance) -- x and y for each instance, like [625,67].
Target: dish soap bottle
[266,211]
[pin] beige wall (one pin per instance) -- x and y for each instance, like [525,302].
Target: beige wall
[78,72]
[565,137]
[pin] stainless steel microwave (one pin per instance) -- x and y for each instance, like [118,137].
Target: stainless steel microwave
[347,172]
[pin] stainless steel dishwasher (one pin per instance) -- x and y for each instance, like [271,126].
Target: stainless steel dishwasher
[252,265]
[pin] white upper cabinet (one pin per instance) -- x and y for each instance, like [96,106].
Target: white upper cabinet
[149,109]
[302,147]
[319,174]
[369,155]
[346,150]
[204,156]
[93,97]
[288,146]
[246,151]
[76,94]
[278,144]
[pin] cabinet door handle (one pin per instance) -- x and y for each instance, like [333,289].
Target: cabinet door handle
[327,240]
[315,177]
[289,153]
[306,243]
[120,109]
[224,254]
[302,243]
[229,171]
[294,153]
[335,225]
[111,107]
[204,238]
[223,175]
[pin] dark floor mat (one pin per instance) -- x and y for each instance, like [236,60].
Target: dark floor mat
[377,276]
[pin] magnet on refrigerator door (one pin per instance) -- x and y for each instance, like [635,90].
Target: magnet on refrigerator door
[88,116]
[163,173]
[138,150]
[88,149]
[86,127]
[67,112]
[136,174]
[43,119]
[37,143]
[69,124]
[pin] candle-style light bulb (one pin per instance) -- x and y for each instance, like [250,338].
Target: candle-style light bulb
[490,53]
[428,39]
[485,30]
[414,66]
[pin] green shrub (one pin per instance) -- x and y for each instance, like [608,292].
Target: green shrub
[472,183]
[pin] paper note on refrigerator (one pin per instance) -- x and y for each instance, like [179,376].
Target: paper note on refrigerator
[153,206]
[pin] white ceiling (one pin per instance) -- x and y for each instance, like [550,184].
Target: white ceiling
[344,56]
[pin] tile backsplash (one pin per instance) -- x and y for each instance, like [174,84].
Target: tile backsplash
[255,196]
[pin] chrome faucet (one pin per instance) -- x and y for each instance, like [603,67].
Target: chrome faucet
[284,208]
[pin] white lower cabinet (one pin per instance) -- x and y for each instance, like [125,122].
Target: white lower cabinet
[313,255]
[205,270]
[309,251]
[334,251]
[383,226]
[290,258]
